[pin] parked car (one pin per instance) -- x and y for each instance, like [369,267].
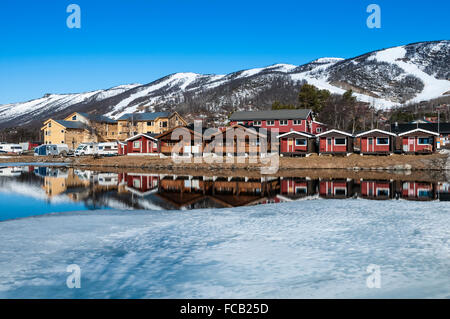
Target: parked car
[52,149]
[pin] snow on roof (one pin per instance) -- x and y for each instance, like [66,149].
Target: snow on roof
[305,134]
[375,130]
[419,130]
[140,135]
[334,131]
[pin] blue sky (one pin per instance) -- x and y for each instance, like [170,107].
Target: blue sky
[124,42]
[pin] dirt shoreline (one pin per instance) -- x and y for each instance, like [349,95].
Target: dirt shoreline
[408,167]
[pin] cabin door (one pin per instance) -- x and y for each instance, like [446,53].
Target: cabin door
[370,146]
[412,144]
[329,145]
[290,146]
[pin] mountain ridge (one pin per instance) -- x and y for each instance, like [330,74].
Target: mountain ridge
[385,78]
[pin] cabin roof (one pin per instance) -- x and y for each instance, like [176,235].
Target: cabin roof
[375,131]
[135,137]
[270,115]
[418,130]
[334,131]
[304,134]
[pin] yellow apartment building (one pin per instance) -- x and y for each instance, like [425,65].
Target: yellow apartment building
[147,123]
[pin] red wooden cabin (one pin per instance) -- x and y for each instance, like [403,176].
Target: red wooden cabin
[418,141]
[335,188]
[142,144]
[335,142]
[297,143]
[421,191]
[375,142]
[377,190]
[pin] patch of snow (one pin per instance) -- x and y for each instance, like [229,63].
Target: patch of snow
[433,87]
[307,249]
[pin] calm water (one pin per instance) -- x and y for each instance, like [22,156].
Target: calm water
[34,190]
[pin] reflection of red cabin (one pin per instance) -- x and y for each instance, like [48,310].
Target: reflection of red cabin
[335,189]
[296,143]
[297,187]
[142,144]
[377,142]
[122,148]
[376,189]
[418,141]
[417,191]
[140,184]
[335,142]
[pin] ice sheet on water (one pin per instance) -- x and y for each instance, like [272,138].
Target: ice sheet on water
[316,248]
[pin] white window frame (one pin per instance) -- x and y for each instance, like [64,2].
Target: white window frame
[270,122]
[318,130]
[297,122]
[376,141]
[418,141]
[138,143]
[334,142]
[257,123]
[301,139]
[283,121]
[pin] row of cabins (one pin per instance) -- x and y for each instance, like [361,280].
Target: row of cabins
[299,134]
[247,141]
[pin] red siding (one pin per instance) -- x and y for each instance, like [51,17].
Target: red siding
[302,127]
[325,147]
[289,186]
[373,189]
[333,188]
[146,145]
[286,147]
[411,144]
[367,147]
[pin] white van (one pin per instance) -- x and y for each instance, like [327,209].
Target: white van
[86,149]
[11,148]
[110,148]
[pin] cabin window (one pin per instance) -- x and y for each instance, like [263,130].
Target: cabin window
[340,141]
[163,124]
[382,192]
[297,122]
[319,130]
[137,144]
[424,141]
[382,141]
[151,123]
[270,123]
[74,118]
[301,190]
[62,131]
[283,122]
[62,142]
[50,124]
[49,133]
[300,142]
[257,123]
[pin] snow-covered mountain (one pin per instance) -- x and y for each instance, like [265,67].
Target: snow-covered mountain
[409,73]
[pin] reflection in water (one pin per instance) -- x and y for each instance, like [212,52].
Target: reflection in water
[127,190]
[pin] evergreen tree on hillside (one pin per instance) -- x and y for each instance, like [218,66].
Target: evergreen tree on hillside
[278,106]
[312,98]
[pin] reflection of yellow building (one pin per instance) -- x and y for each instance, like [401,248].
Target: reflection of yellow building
[147,123]
[59,182]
